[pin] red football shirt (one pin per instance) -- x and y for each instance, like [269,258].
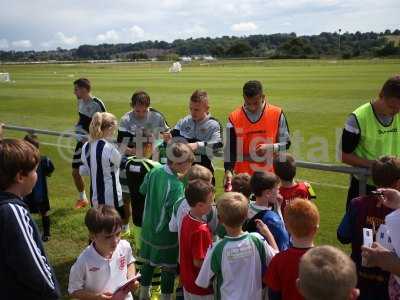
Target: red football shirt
[283,271]
[195,239]
[299,190]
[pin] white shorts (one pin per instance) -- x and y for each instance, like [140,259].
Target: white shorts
[189,296]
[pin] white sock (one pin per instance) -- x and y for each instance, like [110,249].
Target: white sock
[82,195]
[144,293]
[166,297]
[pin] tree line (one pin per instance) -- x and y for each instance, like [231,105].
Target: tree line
[281,45]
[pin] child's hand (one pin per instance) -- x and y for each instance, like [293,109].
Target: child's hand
[372,256]
[262,228]
[390,198]
[105,296]
[263,149]
[134,286]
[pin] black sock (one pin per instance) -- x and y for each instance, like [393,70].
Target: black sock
[46,225]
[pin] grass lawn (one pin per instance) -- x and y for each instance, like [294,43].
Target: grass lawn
[316,96]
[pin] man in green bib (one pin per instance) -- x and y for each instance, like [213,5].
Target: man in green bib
[371,131]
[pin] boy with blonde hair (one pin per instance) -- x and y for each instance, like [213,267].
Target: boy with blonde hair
[302,222]
[327,273]
[236,262]
[182,207]
[162,188]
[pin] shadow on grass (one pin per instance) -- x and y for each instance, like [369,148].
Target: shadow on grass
[62,274]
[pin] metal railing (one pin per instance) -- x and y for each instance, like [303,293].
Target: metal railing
[361,173]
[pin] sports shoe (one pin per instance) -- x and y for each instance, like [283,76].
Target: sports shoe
[81,203]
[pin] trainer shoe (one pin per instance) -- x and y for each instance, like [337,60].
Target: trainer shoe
[81,203]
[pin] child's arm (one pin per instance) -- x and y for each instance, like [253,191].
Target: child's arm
[198,262]
[49,167]
[266,233]
[132,273]
[206,272]
[85,295]
[25,257]
[200,243]
[345,229]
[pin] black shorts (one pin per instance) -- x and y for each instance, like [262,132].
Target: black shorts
[38,206]
[120,211]
[76,159]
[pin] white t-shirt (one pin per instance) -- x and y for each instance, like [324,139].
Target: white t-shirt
[95,273]
[181,209]
[237,264]
[255,209]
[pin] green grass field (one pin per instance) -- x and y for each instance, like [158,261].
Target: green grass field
[316,96]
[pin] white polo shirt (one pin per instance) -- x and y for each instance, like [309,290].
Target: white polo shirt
[95,273]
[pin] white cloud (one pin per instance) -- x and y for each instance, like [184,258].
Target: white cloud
[132,21]
[4,45]
[111,36]
[136,32]
[133,33]
[22,44]
[61,40]
[244,27]
[66,40]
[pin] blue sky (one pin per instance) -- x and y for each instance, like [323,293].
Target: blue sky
[47,24]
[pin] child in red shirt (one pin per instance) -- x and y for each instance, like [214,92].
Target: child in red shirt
[195,238]
[285,169]
[302,222]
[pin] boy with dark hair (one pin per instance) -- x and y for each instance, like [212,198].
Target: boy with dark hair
[25,272]
[266,207]
[237,262]
[195,238]
[200,130]
[241,184]
[88,105]
[38,200]
[162,188]
[107,263]
[327,273]
[285,169]
[302,221]
[368,212]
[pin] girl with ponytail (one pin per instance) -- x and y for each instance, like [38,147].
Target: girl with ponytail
[101,160]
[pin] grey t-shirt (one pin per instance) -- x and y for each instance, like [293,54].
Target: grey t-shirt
[206,132]
[351,124]
[154,123]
